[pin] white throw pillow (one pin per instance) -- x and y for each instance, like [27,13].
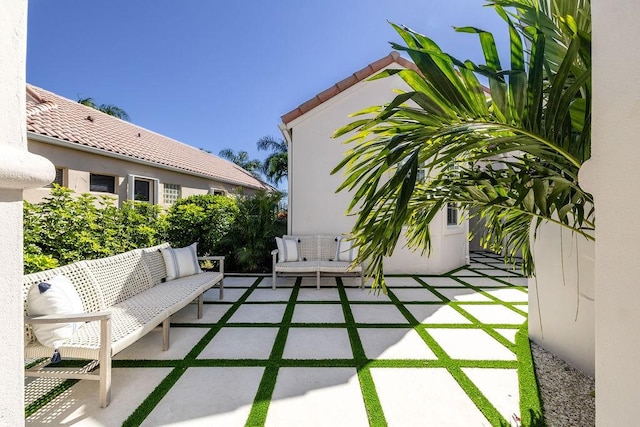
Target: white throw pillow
[287,250]
[54,296]
[181,262]
[345,250]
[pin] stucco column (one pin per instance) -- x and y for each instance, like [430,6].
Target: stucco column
[613,175]
[18,170]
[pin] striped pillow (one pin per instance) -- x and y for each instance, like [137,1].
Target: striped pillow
[287,250]
[181,262]
[345,250]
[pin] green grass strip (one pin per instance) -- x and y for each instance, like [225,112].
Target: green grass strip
[260,407]
[530,404]
[35,406]
[474,393]
[372,404]
[145,408]
[154,398]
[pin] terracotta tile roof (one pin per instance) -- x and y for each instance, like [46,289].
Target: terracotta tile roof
[51,115]
[344,84]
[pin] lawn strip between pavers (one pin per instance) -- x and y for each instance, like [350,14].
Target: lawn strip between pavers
[475,323]
[260,407]
[530,402]
[34,406]
[154,398]
[375,413]
[453,367]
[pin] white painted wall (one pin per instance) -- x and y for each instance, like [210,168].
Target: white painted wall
[315,208]
[18,170]
[613,175]
[561,296]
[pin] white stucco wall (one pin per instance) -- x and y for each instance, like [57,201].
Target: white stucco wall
[561,296]
[18,170]
[613,175]
[315,208]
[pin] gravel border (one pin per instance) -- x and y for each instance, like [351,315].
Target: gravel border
[567,394]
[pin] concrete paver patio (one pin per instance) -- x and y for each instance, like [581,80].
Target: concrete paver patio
[437,351]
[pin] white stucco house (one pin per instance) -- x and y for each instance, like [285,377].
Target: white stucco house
[315,207]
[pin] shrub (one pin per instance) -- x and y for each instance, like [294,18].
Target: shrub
[205,219]
[252,236]
[63,229]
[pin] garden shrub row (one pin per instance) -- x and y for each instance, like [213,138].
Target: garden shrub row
[65,228]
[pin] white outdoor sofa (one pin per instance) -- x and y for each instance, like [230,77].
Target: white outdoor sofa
[316,256]
[124,297]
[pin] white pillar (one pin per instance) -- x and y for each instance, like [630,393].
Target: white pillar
[18,170]
[613,175]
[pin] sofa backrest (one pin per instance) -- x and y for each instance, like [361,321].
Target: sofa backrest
[316,248]
[154,262]
[121,276]
[307,247]
[82,280]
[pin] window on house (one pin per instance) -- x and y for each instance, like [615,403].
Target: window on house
[171,193]
[59,179]
[217,191]
[452,214]
[142,189]
[102,183]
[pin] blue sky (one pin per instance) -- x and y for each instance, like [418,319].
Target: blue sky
[217,74]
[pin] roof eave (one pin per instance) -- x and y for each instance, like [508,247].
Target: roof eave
[93,150]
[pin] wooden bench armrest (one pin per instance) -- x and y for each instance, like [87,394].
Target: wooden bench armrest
[274,252]
[67,318]
[214,258]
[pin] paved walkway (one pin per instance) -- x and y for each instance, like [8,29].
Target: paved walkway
[435,351]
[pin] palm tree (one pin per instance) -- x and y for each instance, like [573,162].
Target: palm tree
[511,156]
[276,166]
[253,166]
[109,109]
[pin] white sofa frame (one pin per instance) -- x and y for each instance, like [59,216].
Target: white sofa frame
[317,257]
[107,287]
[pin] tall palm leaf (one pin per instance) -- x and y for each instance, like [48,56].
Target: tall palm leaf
[511,155]
[276,166]
[253,166]
[109,109]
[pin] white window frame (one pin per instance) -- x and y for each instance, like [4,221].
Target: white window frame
[217,191]
[154,190]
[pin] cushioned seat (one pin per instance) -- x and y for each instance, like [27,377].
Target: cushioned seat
[127,294]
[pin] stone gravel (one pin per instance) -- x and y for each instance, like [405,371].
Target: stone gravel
[568,394]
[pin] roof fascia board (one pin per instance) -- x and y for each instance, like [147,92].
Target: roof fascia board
[336,98]
[75,146]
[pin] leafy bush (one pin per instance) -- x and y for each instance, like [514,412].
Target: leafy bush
[205,219]
[252,235]
[63,229]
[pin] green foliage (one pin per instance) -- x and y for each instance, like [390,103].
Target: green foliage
[511,155]
[205,219]
[252,236]
[253,166]
[63,229]
[276,166]
[112,110]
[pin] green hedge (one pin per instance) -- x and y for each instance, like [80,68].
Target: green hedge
[64,228]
